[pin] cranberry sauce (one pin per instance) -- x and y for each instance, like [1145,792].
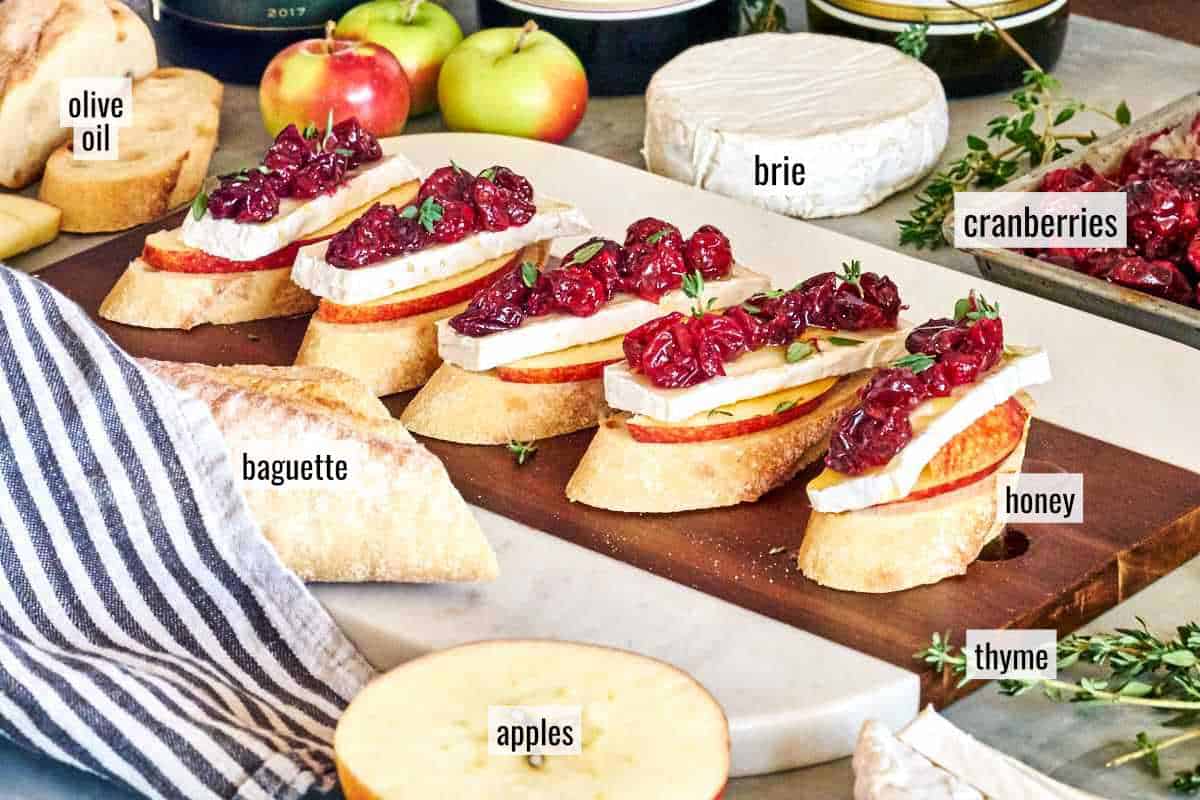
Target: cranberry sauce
[1163,207]
[677,350]
[300,165]
[654,260]
[451,205]
[943,354]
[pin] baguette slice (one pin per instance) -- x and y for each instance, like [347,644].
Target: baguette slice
[391,356]
[163,157]
[41,43]
[401,520]
[900,545]
[479,408]
[622,474]
[155,298]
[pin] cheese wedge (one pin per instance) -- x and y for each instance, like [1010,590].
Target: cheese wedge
[553,219]
[885,768]
[555,332]
[26,223]
[755,374]
[247,241]
[935,423]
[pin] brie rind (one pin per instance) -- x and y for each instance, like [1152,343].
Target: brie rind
[311,271]
[941,423]
[554,332]
[247,241]
[887,769]
[755,374]
[996,775]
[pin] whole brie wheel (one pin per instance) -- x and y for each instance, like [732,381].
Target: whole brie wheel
[864,119]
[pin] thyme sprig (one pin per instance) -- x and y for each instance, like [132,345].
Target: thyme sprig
[1030,135]
[522,451]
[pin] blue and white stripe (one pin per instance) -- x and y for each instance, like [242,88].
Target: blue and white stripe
[148,633]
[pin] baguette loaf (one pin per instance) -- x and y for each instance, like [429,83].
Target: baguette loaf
[41,43]
[622,474]
[155,298]
[163,157]
[400,520]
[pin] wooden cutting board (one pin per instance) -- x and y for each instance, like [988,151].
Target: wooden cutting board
[1142,515]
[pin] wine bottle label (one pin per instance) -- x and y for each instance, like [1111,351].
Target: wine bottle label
[604,10]
[943,19]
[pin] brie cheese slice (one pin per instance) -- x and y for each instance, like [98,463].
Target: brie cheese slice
[887,769]
[935,422]
[311,271]
[247,241]
[553,332]
[762,372]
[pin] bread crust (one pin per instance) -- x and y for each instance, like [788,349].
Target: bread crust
[401,520]
[163,157]
[620,473]
[152,298]
[900,545]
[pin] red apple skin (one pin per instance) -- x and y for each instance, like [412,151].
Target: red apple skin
[191,260]
[307,80]
[567,374]
[724,430]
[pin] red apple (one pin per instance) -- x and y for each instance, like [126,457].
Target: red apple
[420,34]
[165,250]
[740,419]
[582,363]
[312,78]
[514,81]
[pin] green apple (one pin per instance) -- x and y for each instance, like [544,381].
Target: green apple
[420,35]
[515,81]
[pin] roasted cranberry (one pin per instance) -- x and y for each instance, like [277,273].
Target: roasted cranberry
[649,230]
[540,300]
[860,442]
[477,323]
[1077,179]
[708,250]
[320,176]
[510,181]
[1157,278]
[892,388]
[603,258]
[349,135]
[935,337]
[379,234]
[576,291]
[754,330]
[447,183]
[250,200]
[653,270]
[290,150]
[497,208]
[456,222]
[634,343]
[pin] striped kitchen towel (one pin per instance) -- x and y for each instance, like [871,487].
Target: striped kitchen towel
[148,633]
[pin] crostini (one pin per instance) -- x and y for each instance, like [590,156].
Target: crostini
[386,280]
[232,259]
[909,494]
[719,408]
[524,360]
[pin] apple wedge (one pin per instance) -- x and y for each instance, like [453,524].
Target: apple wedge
[649,730]
[580,363]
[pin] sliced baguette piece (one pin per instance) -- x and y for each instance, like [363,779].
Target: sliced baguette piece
[400,520]
[154,298]
[620,473]
[394,355]
[162,158]
[897,546]
[479,408]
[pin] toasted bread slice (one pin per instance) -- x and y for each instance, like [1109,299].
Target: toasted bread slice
[622,474]
[400,520]
[904,544]
[479,408]
[162,158]
[154,298]
[393,355]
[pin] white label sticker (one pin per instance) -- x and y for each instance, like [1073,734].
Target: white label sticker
[1040,219]
[1042,497]
[95,144]
[1019,654]
[270,464]
[535,730]
[88,102]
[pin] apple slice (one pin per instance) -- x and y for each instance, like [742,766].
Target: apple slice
[423,299]
[580,363]
[420,731]
[739,419]
[165,250]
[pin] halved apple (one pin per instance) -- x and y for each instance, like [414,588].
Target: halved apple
[422,299]
[165,250]
[580,363]
[649,730]
[738,419]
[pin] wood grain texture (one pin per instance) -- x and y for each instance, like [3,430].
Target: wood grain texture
[1142,516]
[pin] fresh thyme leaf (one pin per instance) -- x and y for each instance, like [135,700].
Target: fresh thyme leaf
[1150,748]
[310,131]
[798,351]
[763,16]
[430,213]
[1187,782]
[693,284]
[842,341]
[341,151]
[408,212]
[522,451]
[488,173]
[657,236]
[774,293]
[917,362]
[750,308]
[328,127]
[529,273]
[983,309]
[264,169]
[852,272]
[199,205]
[914,40]
[961,308]
[585,253]
[720,412]
[1122,114]
[241,177]
[786,405]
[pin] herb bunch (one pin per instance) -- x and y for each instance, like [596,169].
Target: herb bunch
[1030,135]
